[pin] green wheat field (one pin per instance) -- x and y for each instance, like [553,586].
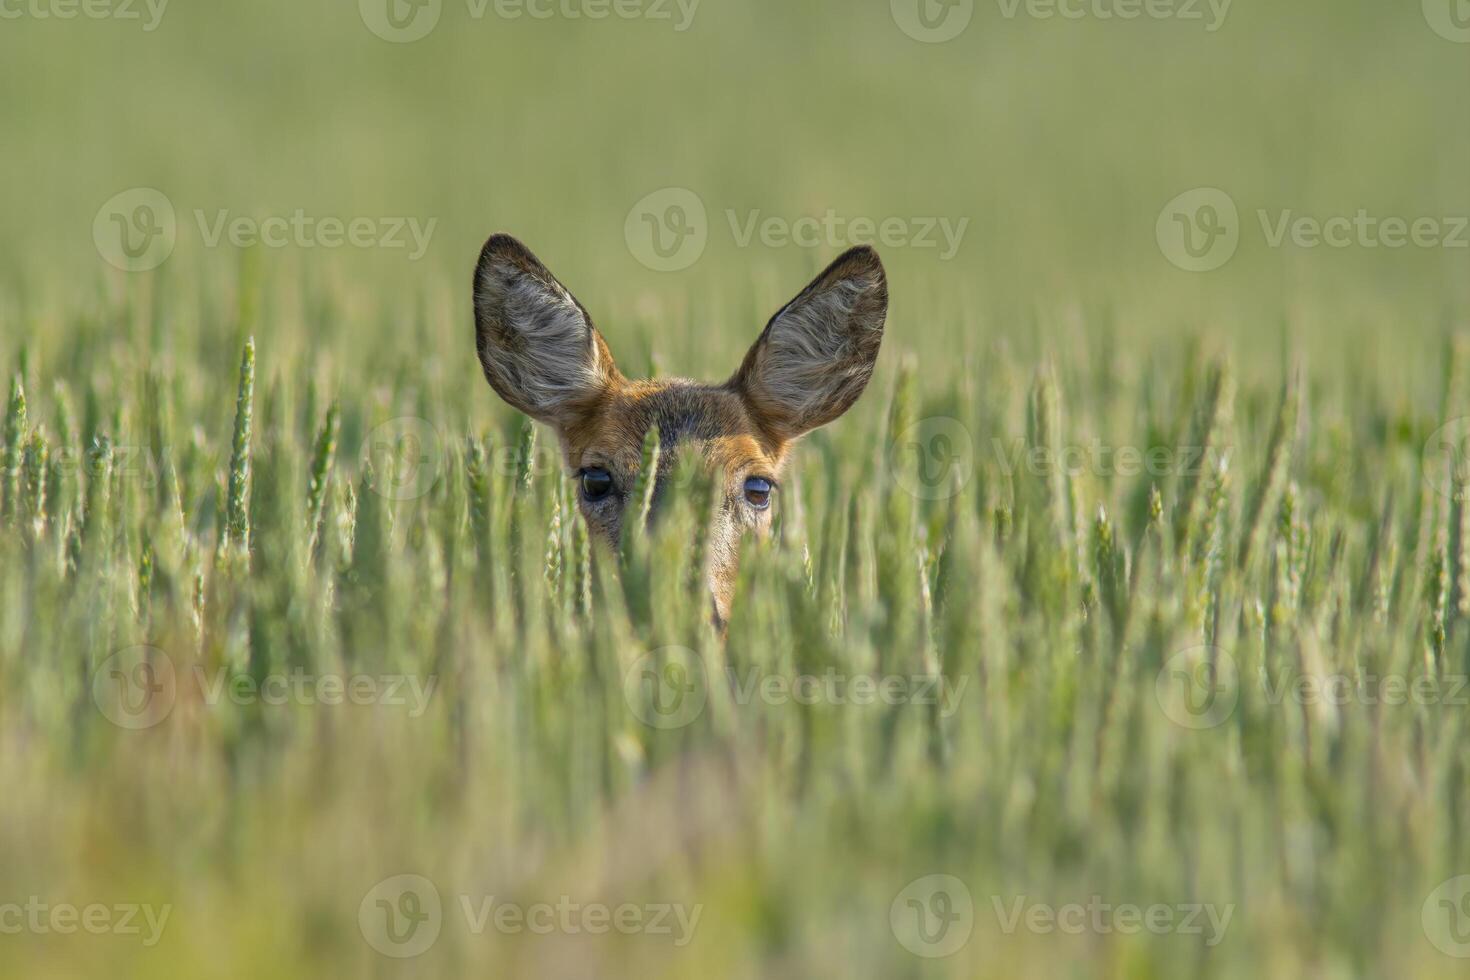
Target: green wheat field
[1122,629]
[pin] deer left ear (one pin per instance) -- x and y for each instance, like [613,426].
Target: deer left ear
[537,346]
[817,354]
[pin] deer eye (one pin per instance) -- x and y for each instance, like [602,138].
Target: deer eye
[758,492]
[596,484]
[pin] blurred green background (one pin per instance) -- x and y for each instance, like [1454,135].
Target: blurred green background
[1057,140]
[1057,143]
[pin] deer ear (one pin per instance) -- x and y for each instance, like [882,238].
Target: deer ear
[536,343]
[815,356]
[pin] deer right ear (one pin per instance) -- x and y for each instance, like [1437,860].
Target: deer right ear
[816,355]
[536,343]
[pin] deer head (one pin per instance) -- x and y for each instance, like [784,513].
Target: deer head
[541,353]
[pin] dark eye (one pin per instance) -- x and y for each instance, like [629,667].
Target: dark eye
[596,484]
[758,492]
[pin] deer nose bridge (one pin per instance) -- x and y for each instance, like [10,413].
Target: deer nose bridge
[671,449]
[683,470]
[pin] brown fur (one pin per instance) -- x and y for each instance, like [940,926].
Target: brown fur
[541,353]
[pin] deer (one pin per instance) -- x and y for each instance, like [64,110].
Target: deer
[541,353]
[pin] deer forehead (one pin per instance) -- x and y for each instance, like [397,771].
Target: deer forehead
[714,420]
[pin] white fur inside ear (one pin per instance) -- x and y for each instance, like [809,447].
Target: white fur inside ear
[538,344]
[810,349]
